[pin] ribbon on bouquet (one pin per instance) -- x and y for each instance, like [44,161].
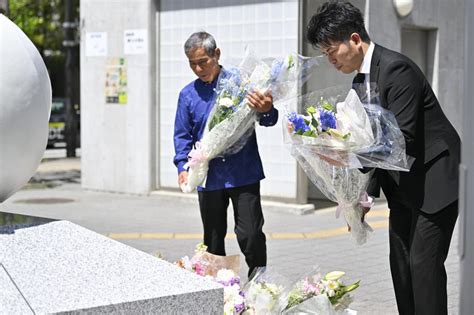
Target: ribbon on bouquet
[196,156]
[364,201]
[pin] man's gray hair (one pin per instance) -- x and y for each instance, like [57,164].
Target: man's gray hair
[201,39]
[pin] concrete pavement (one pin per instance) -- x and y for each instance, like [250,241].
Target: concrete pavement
[167,224]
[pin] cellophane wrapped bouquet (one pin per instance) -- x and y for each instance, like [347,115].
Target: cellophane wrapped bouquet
[334,137]
[321,295]
[265,293]
[221,269]
[232,120]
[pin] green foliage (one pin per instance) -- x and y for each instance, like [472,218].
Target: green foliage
[343,290]
[294,298]
[326,105]
[41,20]
[221,114]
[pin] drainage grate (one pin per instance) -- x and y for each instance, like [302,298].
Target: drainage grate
[46,201]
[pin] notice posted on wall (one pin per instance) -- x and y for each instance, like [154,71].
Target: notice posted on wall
[96,44]
[116,81]
[135,42]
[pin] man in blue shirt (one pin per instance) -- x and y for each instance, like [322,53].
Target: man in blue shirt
[234,177]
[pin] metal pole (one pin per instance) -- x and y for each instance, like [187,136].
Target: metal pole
[466,197]
[69,44]
[4,7]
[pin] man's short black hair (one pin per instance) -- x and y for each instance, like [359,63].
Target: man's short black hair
[335,21]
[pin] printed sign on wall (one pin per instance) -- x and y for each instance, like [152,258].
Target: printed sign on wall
[135,42]
[96,44]
[116,81]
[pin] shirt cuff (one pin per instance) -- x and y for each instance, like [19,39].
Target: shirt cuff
[181,167]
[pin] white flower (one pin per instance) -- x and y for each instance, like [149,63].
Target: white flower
[226,102]
[333,285]
[330,287]
[187,263]
[225,275]
[334,275]
[228,309]
[330,293]
[263,297]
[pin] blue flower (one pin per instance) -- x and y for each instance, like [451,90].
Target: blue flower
[298,122]
[277,67]
[327,119]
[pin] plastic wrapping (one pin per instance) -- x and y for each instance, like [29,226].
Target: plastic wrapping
[264,293]
[315,294]
[232,121]
[337,136]
[349,132]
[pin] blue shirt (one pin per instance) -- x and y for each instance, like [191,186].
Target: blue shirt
[194,105]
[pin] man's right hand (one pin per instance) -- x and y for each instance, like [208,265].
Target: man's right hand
[182,178]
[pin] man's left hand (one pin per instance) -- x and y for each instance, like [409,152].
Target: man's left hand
[261,102]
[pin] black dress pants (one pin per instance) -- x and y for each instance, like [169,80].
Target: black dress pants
[248,218]
[419,245]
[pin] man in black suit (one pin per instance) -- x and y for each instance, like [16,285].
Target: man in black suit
[424,201]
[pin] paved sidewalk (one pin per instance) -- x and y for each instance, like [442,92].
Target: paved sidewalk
[168,224]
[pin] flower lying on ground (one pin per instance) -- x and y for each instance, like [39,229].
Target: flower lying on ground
[329,285]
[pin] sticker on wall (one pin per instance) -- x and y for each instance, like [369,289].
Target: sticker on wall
[135,42]
[96,44]
[116,81]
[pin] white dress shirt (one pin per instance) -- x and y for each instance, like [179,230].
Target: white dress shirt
[365,67]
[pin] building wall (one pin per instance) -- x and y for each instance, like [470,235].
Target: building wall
[444,18]
[129,148]
[117,151]
[270,28]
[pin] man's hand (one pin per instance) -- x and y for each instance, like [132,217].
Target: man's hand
[364,212]
[261,102]
[183,178]
[366,202]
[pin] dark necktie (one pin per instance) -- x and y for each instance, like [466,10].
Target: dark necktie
[359,78]
[359,86]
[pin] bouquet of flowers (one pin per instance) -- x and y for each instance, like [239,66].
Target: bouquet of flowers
[334,139]
[232,121]
[234,302]
[195,264]
[207,264]
[319,295]
[264,293]
[222,269]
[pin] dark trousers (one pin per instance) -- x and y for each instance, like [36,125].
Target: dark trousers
[248,218]
[419,245]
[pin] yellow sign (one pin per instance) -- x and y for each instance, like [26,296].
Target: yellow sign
[116,81]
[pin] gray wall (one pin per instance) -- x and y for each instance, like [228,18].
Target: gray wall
[466,198]
[385,28]
[118,141]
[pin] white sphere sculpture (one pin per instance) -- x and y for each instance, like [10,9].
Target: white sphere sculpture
[25,106]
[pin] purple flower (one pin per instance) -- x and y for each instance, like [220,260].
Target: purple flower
[239,307]
[327,119]
[298,123]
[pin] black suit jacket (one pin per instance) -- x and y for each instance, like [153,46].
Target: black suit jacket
[432,182]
